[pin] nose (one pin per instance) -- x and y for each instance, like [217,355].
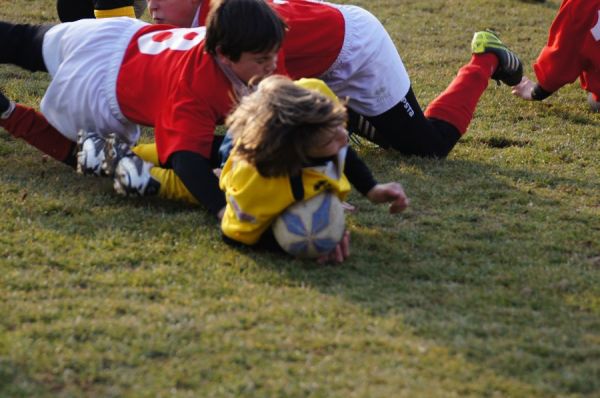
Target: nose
[346,137]
[271,66]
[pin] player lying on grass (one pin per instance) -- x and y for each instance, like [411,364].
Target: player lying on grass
[26,123]
[291,144]
[572,51]
[108,75]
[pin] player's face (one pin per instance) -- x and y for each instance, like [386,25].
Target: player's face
[331,145]
[173,12]
[254,66]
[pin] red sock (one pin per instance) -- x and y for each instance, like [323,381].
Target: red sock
[457,103]
[30,125]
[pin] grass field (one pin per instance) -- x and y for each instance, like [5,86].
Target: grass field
[489,286]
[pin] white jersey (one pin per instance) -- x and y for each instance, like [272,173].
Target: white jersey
[84,58]
[369,70]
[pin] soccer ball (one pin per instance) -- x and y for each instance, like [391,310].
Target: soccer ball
[311,228]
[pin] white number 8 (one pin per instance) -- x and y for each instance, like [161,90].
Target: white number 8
[154,43]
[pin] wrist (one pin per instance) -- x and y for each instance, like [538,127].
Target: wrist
[373,193]
[538,93]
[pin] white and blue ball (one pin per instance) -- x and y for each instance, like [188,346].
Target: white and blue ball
[311,228]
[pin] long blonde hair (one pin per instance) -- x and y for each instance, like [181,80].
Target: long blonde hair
[274,127]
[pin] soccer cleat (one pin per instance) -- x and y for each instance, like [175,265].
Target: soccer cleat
[133,178]
[510,68]
[90,153]
[114,151]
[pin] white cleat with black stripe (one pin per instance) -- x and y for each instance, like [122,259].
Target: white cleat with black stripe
[133,178]
[90,153]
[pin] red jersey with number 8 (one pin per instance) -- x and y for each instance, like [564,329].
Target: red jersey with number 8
[186,95]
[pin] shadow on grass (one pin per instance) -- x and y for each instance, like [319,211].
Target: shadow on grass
[581,116]
[488,262]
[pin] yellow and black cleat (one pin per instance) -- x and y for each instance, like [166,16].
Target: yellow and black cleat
[510,67]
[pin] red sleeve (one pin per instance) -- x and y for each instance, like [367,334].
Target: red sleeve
[560,61]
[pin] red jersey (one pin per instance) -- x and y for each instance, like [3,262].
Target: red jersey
[573,48]
[314,38]
[167,81]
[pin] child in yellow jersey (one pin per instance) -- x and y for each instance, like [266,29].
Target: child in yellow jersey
[290,144]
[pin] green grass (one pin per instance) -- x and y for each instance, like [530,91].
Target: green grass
[489,286]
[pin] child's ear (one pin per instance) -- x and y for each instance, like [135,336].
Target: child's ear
[223,58]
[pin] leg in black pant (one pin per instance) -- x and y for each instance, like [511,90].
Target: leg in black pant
[405,128]
[21,45]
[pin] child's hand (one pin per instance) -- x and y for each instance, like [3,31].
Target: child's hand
[340,253]
[524,89]
[391,193]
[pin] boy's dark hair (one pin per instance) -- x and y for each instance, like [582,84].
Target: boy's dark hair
[237,26]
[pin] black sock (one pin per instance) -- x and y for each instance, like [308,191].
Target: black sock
[71,159]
